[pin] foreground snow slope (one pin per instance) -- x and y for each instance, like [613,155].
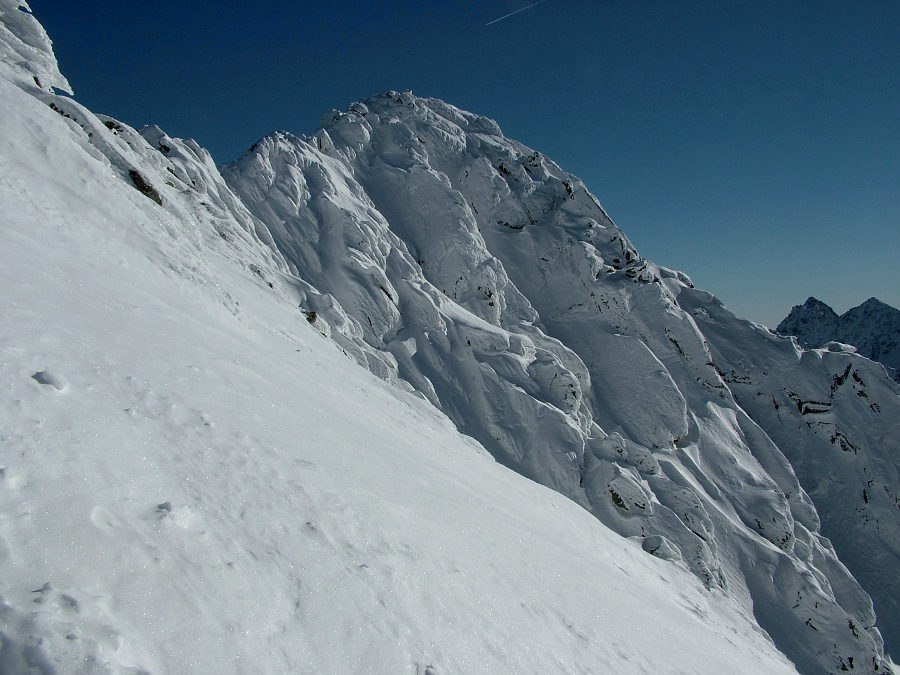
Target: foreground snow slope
[195,480]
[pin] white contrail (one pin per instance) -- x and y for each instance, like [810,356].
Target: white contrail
[506,16]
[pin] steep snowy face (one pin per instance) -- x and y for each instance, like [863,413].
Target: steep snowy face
[455,351]
[836,417]
[26,53]
[509,299]
[873,328]
[194,480]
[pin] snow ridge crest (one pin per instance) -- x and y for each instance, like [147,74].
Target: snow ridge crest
[27,50]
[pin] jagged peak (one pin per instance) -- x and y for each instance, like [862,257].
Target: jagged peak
[815,303]
[874,304]
[25,45]
[405,103]
[812,309]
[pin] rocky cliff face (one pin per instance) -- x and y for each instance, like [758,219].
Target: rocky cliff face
[872,327]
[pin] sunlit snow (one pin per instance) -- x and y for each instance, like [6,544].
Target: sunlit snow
[231,413]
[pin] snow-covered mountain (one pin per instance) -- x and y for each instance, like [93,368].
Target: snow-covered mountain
[196,479]
[872,327]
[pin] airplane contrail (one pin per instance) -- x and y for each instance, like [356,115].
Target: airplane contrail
[506,16]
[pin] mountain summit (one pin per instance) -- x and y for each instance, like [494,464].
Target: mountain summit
[300,413]
[477,272]
[872,327]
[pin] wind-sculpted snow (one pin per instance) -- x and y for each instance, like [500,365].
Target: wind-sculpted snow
[194,480]
[510,386]
[836,416]
[26,53]
[179,427]
[509,299]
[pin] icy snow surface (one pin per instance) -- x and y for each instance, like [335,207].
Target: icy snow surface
[196,475]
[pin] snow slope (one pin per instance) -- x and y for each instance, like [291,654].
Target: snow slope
[195,477]
[195,480]
[834,415]
[873,328]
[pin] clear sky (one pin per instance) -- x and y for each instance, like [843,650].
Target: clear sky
[753,145]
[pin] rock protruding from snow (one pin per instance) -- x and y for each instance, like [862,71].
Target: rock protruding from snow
[872,327]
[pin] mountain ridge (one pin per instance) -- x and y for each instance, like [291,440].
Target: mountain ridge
[472,272]
[873,327]
[528,237]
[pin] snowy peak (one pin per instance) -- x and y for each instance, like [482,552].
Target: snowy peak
[872,327]
[176,428]
[405,105]
[473,270]
[193,479]
[26,50]
[815,307]
[813,322]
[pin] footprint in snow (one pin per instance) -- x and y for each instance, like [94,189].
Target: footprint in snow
[50,379]
[46,594]
[183,516]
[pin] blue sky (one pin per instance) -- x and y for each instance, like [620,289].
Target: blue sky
[753,145]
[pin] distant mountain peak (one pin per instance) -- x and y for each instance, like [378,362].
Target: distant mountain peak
[816,303]
[812,323]
[875,303]
[872,327]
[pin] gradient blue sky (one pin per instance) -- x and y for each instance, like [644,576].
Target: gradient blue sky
[753,145]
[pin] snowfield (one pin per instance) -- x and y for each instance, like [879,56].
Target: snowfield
[400,398]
